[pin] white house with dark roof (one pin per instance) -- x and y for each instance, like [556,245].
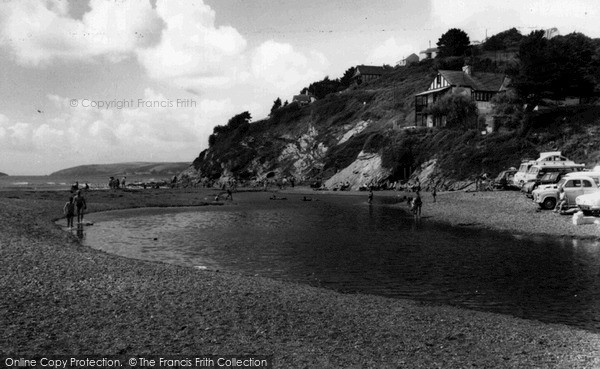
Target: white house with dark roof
[411,59]
[430,53]
[481,87]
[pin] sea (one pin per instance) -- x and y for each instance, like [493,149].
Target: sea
[49,183]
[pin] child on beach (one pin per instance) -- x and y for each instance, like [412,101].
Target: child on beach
[69,210]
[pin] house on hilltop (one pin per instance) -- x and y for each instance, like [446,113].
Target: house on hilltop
[304,99]
[430,53]
[411,59]
[366,73]
[481,87]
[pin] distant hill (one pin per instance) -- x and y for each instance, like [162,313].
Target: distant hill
[3,174]
[118,169]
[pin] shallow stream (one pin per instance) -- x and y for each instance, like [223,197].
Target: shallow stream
[342,243]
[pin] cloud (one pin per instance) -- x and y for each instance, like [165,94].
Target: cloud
[39,32]
[76,135]
[390,52]
[475,17]
[193,52]
[283,69]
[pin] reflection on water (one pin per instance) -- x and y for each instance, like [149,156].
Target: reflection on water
[341,242]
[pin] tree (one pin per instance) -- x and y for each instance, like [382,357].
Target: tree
[573,57]
[503,40]
[346,79]
[556,68]
[239,120]
[507,110]
[276,105]
[455,42]
[460,111]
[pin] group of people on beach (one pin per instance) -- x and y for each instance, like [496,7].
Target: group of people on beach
[114,183]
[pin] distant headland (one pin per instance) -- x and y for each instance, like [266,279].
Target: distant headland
[3,174]
[130,168]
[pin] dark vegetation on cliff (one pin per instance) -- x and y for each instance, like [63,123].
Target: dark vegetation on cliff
[313,133]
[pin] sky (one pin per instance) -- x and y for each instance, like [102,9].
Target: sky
[108,81]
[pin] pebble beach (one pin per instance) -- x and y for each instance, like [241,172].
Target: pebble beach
[59,297]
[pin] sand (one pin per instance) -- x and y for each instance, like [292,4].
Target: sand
[59,297]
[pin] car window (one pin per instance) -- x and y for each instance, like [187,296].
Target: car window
[573,183]
[587,183]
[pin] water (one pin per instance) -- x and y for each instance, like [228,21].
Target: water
[342,243]
[64,182]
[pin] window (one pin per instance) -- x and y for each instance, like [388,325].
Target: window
[573,183]
[587,183]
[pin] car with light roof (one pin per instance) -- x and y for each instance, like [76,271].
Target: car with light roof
[574,185]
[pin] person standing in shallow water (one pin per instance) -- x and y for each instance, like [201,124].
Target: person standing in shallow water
[69,211]
[370,196]
[80,204]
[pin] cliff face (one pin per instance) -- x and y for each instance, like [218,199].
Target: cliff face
[316,141]
[363,136]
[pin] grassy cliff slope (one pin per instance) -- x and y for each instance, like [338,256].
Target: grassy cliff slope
[321,139]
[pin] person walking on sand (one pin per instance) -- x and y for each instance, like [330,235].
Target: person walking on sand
[416,205]
[434,194]
[80,204]
[69,211]
[229,195]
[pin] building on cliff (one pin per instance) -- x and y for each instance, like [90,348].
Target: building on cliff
[481,87]
[430,53]
[304,99]
[411,59]
[366,73]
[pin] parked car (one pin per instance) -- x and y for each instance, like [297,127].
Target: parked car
[530,169]
[589,204]
[504,180]
[548,178]
[574,185]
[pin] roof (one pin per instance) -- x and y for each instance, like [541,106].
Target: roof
[369,69]
[430,50]
[433,91]
[301,98]
[412,56]
[478,81]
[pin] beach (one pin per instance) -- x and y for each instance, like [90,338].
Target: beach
[60,297]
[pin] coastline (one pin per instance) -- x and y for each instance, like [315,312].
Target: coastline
[62,298]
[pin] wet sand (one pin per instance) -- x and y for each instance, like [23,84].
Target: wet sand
[62,298]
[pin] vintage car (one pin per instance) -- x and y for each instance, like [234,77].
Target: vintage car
[589,204]
[546,179]
[574,185]
[504,180]
[530,170]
